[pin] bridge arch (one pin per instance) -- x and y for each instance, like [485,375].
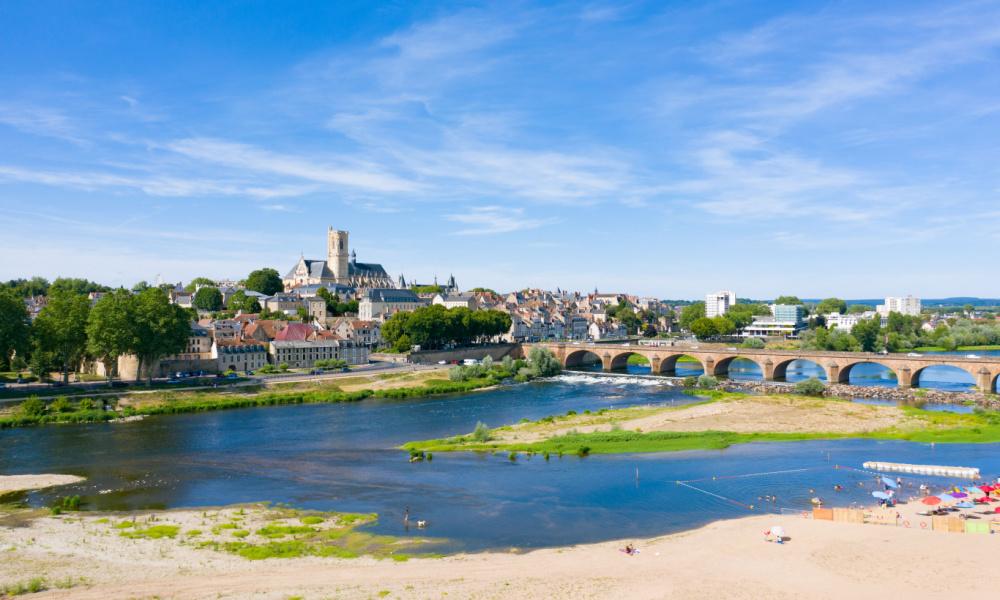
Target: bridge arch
[954,372]
[721,365]
[810,367]
[668,364]
[845,370]
[582,357]
[620,360]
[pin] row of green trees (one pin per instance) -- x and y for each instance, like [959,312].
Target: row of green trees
[69,330]
[901,333]
[435,326]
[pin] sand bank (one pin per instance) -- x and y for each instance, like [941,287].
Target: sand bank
[19,483]
[726,559]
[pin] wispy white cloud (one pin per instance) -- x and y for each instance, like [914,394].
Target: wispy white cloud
[341,172]
[491,220]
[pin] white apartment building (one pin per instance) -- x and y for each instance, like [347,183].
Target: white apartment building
[718,303]
[847,321]
[907,306]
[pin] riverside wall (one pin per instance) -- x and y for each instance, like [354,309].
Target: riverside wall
[495,351]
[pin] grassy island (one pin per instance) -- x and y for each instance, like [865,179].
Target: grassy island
[718,421]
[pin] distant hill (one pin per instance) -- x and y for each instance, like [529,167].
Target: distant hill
[954,301]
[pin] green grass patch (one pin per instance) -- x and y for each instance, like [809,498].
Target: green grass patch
[934,426]
[312,520]
[277,531]
[154,532]
[30,586]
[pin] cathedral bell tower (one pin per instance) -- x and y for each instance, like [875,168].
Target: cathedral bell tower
[338,255]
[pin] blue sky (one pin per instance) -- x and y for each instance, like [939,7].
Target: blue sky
[661,148]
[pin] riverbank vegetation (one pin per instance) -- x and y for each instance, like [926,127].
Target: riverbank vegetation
[395,386]
[719,420]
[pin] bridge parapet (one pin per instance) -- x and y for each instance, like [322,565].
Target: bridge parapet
[773,364]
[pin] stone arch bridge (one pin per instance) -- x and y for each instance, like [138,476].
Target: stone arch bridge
[773,363]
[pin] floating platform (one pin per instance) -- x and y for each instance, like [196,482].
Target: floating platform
[934,470]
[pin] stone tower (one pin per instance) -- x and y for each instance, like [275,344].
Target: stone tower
[337,255]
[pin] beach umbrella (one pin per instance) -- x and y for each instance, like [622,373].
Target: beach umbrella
[958,495]
[947,498]
[931,500]
[889,482]
[986,488]
[881,495]
[964,505]
[975,492]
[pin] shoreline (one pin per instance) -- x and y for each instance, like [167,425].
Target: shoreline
[821,559]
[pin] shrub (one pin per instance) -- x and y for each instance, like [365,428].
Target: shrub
[753,342]
[690,381]
[61,405]
[707,382]
[32,407]
[283,366]
[481,433]
[583,451]
[810,387]
[86,404]
[512,457]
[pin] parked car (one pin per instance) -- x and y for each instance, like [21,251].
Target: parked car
[442,362]
[972,356]
[914,354]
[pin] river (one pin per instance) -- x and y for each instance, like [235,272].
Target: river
[343,457]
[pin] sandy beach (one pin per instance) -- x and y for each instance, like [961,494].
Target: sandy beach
[726,559]
[20,483]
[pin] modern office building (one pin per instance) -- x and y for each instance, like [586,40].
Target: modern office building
[718,303]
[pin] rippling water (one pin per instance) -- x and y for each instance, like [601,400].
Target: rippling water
[342,457]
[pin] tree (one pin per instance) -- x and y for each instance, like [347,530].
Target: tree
[77,286]
[161,328]
[207,298]
[624,314]
[61,329]
[332,300]
[856,309]
[691,313]
[426,289]
[543,363]
[723,326]
[22,288]
[484,290]
[111,329]
[704,328]
[198,281]
[787,300]
[141,286]
[866,333]
[265,281]
[240,302]
[14,327]
[831,305]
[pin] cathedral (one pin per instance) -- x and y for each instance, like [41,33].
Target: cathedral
[340,267]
